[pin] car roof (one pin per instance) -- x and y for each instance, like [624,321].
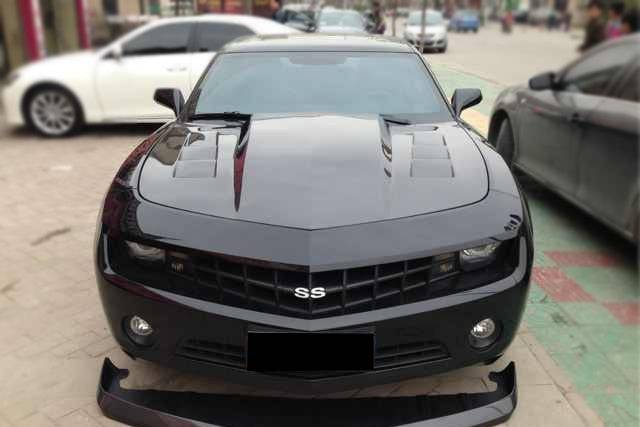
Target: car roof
[303,42]
[254,22]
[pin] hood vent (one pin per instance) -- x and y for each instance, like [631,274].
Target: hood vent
[430,157]
[199,155]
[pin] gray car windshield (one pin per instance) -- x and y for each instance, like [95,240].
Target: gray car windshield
[320,82]
[341,19]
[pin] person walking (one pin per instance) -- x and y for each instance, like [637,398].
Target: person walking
[595,30]
[379,26]
[614,26]
[630,22]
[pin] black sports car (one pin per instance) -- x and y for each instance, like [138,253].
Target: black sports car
[318,217]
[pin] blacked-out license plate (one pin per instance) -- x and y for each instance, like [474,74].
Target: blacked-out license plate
[310,351]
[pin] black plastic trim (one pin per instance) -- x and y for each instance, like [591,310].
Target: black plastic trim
[151,408]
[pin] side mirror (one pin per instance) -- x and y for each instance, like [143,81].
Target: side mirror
[170,98]
[465,98]
[116,52]
[543,81]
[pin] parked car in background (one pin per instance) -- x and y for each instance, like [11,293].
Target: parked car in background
[576,131]
[341,21]
[465,20]
[435,32]
[543,16]
[298,20]
[57,96]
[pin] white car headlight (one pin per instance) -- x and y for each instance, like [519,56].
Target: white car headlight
[479,256]
[144,252]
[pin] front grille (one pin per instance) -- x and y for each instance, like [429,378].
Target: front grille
[271,290]
[269,287]
[386,357]
[409,353]
[213,352]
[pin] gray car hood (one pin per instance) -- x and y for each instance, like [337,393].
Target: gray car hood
[315,171]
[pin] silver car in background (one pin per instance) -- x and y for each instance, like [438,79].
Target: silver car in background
[435,32]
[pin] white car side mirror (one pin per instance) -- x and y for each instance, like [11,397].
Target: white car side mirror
[115,52]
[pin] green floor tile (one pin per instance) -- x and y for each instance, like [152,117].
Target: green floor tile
[546,315]
[589,313]
[627,363]
[591,371]
[618,409]
[566,339]
[607,284]
[537,295]
[614,340]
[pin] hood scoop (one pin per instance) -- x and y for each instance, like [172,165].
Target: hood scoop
[198,157]
[430,157]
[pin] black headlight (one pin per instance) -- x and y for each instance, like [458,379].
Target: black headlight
[478,256]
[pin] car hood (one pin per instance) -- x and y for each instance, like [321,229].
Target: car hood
[61,63]
[314,171]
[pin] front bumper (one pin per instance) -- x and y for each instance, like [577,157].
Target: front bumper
[428,42]
[11,100]
[440,325]
[151,408]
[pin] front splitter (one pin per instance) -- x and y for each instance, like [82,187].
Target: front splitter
[156,408]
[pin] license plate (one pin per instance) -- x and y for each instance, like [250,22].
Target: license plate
[310,351]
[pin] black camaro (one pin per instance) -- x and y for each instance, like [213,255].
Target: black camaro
[318,217]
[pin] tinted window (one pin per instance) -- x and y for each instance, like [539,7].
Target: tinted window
[170,38]
[594,74]
[321,82]
[630,89]
[212,36]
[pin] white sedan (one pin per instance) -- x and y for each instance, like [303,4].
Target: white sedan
[115,84]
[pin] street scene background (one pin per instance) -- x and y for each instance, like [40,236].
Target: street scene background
[577,353]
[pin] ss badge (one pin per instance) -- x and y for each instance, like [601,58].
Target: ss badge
[305,293]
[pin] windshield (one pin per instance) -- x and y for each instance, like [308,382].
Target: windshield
[341,19]
[431,18]
[466,14]
[320,82]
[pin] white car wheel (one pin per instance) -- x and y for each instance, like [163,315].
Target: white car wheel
[53,112]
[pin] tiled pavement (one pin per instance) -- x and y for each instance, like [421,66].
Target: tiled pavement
[571,356]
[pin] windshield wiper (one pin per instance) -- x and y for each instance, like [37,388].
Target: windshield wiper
[396,120]
[227,115]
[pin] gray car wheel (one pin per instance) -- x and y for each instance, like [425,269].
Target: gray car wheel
[504,142]
[53,112]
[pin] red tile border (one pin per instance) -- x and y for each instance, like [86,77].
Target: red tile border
[559,286]
[627,313]
[582,259]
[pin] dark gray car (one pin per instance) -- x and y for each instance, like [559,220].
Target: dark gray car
[576,131]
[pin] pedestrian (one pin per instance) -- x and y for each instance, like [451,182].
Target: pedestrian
[278,11]
[379,27]
[594,32]
[630,22]
[614,26]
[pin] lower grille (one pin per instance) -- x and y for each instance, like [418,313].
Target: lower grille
[213,352]
[408,353]
[386,357]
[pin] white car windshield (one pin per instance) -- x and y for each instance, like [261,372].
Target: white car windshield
[431,18]
[341,19]
[320,82]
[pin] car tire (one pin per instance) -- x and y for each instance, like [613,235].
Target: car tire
[53,112]
[442,49]
[504,142]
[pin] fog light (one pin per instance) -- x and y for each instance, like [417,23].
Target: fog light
[139,326]
[483,334]
[139,331]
